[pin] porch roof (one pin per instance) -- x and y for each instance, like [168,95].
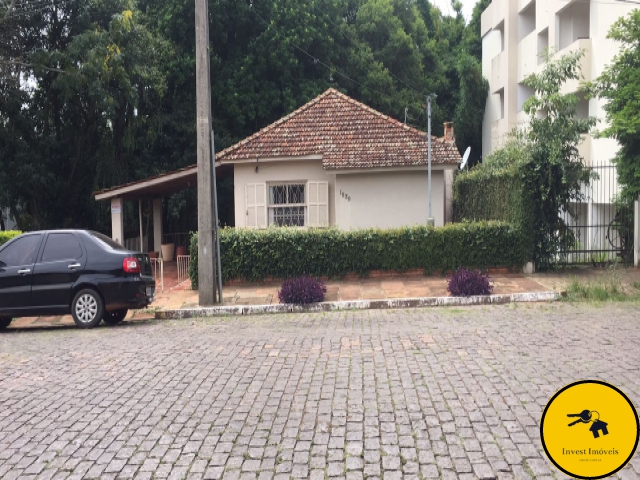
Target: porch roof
[156,186]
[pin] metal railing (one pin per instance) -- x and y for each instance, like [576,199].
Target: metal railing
[178,239]
[602,230]
[158,264]
[183,262]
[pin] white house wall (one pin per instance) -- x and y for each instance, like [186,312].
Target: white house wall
[388,199]
[284,171]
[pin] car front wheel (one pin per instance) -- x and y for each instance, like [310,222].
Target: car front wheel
[87,308]
[115,317]
[5,322]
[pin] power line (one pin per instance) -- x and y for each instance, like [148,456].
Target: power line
[316,60]
[360,48]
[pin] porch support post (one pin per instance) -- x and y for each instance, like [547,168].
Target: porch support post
[140,219]
[636,233]
[117,220]
[157,224]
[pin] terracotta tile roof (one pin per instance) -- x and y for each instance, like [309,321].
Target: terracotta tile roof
[347,134]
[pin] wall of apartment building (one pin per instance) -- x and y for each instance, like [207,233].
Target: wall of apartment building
[515,32]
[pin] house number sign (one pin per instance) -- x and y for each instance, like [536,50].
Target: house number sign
[345,196]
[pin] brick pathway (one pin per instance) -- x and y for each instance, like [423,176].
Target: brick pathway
[430,393]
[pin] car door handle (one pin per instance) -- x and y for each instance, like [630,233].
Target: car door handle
[24,272]
[74,265]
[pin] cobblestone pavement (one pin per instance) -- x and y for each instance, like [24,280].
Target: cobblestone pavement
[430,393]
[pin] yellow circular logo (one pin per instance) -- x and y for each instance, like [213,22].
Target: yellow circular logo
[589,429]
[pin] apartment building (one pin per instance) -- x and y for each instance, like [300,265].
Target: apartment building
[514,34]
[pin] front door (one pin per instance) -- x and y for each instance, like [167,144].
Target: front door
[16,272]
[59,267]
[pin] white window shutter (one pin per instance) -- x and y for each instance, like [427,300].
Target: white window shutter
[256,204]
[318,204]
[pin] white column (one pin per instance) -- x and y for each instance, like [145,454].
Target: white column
[636,233]
[157,224]
[117,220]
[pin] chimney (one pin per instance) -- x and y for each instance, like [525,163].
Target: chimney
[449,136]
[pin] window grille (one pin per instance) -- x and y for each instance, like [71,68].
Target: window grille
[287,205]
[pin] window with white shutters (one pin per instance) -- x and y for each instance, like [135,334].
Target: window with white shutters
[287,204]
[318,204]
[256,203]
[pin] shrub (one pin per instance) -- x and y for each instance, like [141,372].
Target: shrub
[302,291]
[254,255]
[465,283]
[7,235]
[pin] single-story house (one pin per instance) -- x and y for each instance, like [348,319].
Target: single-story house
[332,162]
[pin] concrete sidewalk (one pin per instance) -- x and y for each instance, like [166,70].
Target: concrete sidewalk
[386,288]
[337,291]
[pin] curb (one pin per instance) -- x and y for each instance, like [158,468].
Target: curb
[357,305]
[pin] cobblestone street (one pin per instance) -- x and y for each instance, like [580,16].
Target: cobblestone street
[427,393]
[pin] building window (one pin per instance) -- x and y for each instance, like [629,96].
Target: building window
[287,205]
[527,21]
[543,45]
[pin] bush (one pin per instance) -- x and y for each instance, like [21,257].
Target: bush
[7,235]
[254,255]
[465,283]
[302,291]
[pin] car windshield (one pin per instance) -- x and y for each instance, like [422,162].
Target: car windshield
[107,241]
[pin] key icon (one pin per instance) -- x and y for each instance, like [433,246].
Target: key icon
[584,417]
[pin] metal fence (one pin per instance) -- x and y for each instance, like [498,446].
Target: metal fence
[602,229]
[183,262]
[178,239]
[158,271]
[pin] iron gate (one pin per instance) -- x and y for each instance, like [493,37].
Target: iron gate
[602,227]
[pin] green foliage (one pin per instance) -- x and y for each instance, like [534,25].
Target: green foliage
[193,261]
[538,173]
[496,193]
[111,96]
[7,235]
[254,255]
[472,41]
[618,85]
[470,110]
[608,287]
[557,173]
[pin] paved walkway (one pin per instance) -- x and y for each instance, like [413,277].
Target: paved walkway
[428,393]
[267,294]
[371,289]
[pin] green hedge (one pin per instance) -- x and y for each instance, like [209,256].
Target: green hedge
[7,235]
[254,255]
[484,194]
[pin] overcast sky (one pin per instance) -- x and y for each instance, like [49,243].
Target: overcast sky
[445,6]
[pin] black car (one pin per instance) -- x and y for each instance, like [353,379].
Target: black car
[80,272]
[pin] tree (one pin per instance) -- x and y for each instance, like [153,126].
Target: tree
[110,90]
[619,85]
[470,109]
[556,173]
[472,39]
[88,105]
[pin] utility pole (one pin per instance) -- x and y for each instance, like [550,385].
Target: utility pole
[207,225]
[430,219]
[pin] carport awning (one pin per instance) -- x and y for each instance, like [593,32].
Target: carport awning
[153,187]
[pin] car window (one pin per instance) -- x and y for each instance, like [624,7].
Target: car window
[61,246]
[107,241]
[20,252]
